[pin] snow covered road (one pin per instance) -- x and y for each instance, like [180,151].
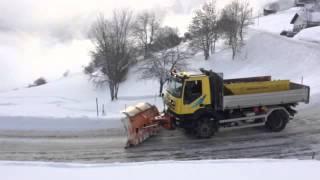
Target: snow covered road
[299,140]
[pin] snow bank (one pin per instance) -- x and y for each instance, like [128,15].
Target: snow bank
[66,124]
[309,34]
[217,169]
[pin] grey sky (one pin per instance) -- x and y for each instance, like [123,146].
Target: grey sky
[59,17]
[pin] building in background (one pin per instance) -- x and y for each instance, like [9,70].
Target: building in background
[308,16]
[303,2]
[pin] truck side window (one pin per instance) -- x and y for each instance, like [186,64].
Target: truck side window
[192,91]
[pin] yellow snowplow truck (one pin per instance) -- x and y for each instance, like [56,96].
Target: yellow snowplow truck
[204,103]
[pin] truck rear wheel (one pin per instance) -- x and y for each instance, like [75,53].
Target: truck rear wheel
[204,128]
[277,120]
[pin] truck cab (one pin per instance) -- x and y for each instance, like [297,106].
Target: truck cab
[203,102]
[186,94]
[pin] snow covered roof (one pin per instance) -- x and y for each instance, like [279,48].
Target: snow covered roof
[311,14]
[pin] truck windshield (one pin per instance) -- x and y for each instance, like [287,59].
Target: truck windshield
[175,87]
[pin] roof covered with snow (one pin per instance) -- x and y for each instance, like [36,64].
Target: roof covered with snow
[308,14]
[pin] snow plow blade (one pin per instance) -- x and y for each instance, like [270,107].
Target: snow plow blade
[140,123]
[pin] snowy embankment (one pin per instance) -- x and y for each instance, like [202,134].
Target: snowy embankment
[217,169]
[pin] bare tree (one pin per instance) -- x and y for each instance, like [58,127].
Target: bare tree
[213,18]
[216,35]
[245,16]
[145,29]
[114,50]
[162,63]
[235,18]
[204,29]
[230,25]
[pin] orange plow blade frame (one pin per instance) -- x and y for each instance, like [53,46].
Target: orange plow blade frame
[140,123]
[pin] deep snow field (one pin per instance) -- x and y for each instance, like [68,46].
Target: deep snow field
[68,104]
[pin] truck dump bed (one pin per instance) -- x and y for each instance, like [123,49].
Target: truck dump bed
[296,93]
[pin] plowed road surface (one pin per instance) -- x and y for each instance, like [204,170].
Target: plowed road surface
[301,139]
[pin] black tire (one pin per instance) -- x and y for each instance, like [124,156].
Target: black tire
[277,120]
[204,128]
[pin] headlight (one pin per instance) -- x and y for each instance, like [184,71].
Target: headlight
[172,102]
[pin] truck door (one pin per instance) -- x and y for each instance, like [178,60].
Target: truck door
[193,90]
[193,96]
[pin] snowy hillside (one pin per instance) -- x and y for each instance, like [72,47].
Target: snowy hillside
[73,97]
[70,104]
[271,54]
[276,23]
[218,169]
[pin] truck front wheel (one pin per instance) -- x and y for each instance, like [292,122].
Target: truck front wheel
[204,128]
[277,121]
